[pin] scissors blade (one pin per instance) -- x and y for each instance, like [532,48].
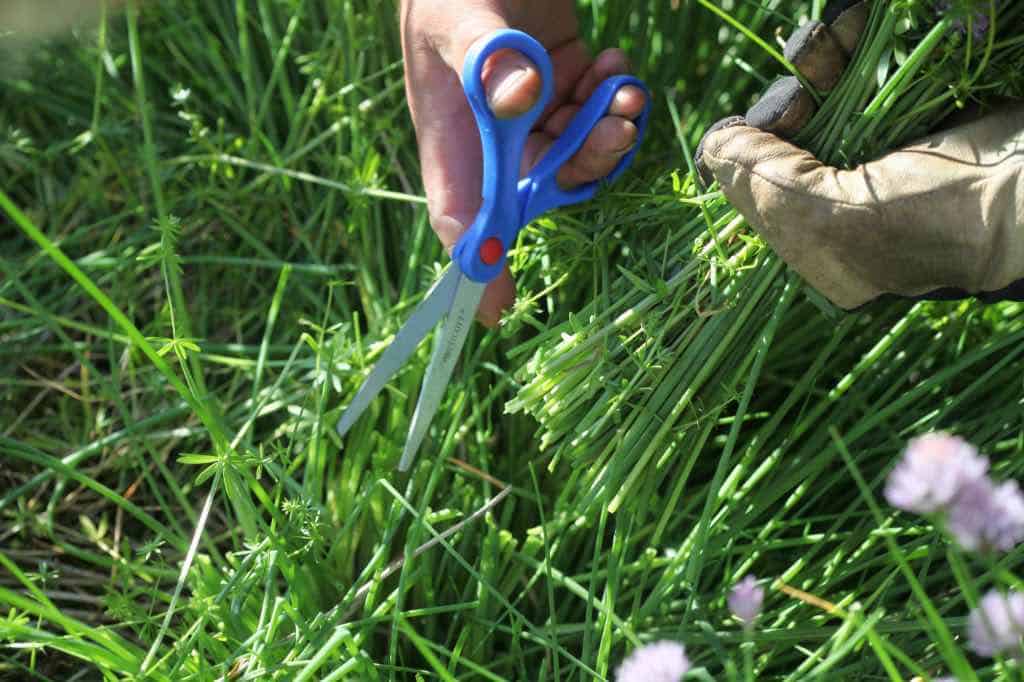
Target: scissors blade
[446,353]
[436,303]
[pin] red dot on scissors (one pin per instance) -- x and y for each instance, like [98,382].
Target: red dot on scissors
[491,251]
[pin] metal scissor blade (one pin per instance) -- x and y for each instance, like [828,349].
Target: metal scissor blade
[437,302]
[446,352]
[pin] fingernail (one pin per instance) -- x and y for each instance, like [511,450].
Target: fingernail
[632,133]
[508,75]
[622,97]
[623,151]
[504,85]
[507,83]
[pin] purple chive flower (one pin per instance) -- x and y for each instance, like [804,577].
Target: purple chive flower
[933,469]
[981,20]
[658,662]
[981,25]
[745,600]
[987,516]
[944,474]
[997,624]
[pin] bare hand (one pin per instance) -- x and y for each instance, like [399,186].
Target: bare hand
[436,34]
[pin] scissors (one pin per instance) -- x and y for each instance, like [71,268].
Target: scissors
[509,203]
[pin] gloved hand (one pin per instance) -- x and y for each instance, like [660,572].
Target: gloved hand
[941,218]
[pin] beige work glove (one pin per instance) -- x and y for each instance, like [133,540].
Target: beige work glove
[941,218]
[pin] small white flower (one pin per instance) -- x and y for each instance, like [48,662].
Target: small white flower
[180,94]
[659,662]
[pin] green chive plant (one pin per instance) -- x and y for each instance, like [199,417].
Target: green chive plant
[211,223]
[646,373]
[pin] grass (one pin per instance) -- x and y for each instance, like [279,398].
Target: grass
[216,225]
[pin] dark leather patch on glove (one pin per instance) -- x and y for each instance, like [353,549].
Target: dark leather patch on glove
[784,108]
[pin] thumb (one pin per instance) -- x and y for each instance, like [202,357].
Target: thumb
[822,221]
[512,82]
[766,177]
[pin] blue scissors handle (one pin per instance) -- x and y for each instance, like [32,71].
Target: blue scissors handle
[509,202]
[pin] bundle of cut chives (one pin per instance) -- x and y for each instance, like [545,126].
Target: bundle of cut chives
[657,368]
